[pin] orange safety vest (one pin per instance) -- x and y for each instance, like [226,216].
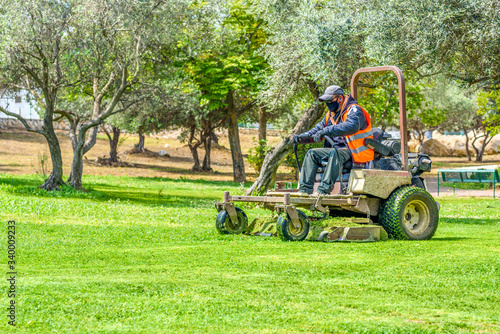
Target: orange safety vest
[356,142]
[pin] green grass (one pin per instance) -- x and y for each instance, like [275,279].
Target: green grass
[141,255]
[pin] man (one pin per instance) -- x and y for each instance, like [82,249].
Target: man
[348,125]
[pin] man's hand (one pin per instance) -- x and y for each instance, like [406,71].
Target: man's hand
[318,136]
[302,138]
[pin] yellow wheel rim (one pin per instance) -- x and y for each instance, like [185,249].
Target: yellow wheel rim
[298,228]
[233,225]
[416,217]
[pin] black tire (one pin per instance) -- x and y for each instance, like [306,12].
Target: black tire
[410,213]
[287,232]
[225,225]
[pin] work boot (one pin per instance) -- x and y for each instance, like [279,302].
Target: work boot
[317,194]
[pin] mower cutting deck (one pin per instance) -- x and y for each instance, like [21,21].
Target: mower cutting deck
[388,196]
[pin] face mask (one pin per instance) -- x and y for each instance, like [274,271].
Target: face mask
[332,106]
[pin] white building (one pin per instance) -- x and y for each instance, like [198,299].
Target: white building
[18,103]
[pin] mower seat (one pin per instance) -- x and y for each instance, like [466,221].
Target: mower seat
[382,146]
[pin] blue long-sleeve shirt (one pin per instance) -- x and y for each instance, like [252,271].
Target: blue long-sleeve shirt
[354,122]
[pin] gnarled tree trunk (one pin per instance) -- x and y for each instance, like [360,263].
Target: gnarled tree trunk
[79,150]
[208,146]
[276,156]
[193,147]
[113,142]
[55,179]
[234,140]
[139,147]
[194,152]
[480,150]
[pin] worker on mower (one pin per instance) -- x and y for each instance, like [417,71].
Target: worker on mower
[348,125]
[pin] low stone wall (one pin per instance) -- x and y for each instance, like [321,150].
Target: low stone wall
[6,123]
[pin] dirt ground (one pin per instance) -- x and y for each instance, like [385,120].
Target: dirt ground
[21,152]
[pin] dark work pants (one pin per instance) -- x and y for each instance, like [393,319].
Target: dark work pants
[312,162]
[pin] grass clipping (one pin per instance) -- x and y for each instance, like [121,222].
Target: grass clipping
[337,221]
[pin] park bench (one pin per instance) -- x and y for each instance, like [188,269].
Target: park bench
[479,174]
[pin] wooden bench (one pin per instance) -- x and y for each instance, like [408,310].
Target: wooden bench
[480,174]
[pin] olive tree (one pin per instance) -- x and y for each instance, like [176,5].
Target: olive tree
[90,51]
[458,38]
[37,36]
[228,70]
[110,58]
[489,116]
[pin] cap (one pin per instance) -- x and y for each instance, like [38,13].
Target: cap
[330,92]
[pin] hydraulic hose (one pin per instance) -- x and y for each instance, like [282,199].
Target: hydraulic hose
[295,145]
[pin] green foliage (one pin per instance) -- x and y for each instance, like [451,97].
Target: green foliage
[489,109]
[381,99]
[456,37]
[231,63]
[458,103]
[132,261]
[309,43]
[257,154]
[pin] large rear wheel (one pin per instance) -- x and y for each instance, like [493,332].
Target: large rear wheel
[409,213]
[288,231]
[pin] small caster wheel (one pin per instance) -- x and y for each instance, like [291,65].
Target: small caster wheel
[225,225]
[287,231]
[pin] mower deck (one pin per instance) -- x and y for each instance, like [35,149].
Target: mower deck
[287,201]
[360,231]
[284,201]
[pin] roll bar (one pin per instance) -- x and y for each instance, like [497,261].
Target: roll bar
[402,103]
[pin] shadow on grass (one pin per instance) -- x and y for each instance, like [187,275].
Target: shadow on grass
[450,239]
[469,221]
[126,191]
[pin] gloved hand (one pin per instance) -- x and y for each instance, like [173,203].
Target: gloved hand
[318,136]
[302,138]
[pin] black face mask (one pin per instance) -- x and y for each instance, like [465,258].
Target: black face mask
[332,106]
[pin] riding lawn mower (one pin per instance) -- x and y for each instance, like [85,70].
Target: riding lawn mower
[387,196]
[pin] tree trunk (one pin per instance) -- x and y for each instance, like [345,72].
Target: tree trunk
[234,141]
[214,137]
[75,178]
[139,147]
[276,156]
[113,143]
[262,123]
[420,138]
[467,145]
[480,151]
[81,148]
[55,179]
[194,152]
[206,160]
[208,146]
